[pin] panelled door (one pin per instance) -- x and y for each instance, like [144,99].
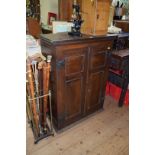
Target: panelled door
[72,84]
[97,74]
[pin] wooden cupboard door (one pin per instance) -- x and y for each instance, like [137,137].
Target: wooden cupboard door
[97,75]
[88,15]
[102,16]
[95,14]
[65,10]
[72,84]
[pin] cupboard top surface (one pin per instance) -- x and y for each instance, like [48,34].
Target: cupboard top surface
[63,37]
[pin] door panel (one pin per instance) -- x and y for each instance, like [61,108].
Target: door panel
[94,90]
[98,56]
[73,98]
[98,60]
[102,14]
[74,65]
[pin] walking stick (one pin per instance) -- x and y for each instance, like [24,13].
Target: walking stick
[27,103]
[33,102]
[35,72]
[46,73]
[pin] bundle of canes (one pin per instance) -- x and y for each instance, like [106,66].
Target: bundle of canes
[32,96]
[46,76]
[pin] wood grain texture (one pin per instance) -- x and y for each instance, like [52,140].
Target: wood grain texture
[80,69]
[96,16]
[124,25]
[65,10]
[33,27]
[102,133]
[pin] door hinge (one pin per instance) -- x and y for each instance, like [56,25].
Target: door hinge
[60,64]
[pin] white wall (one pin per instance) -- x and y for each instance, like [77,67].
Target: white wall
[48,6]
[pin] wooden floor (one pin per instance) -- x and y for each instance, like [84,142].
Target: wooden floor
[103,133]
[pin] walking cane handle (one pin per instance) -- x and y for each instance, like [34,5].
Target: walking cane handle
[49,57]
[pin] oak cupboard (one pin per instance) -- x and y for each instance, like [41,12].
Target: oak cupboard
[79,74]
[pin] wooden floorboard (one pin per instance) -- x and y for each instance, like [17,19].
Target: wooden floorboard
[103,133]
